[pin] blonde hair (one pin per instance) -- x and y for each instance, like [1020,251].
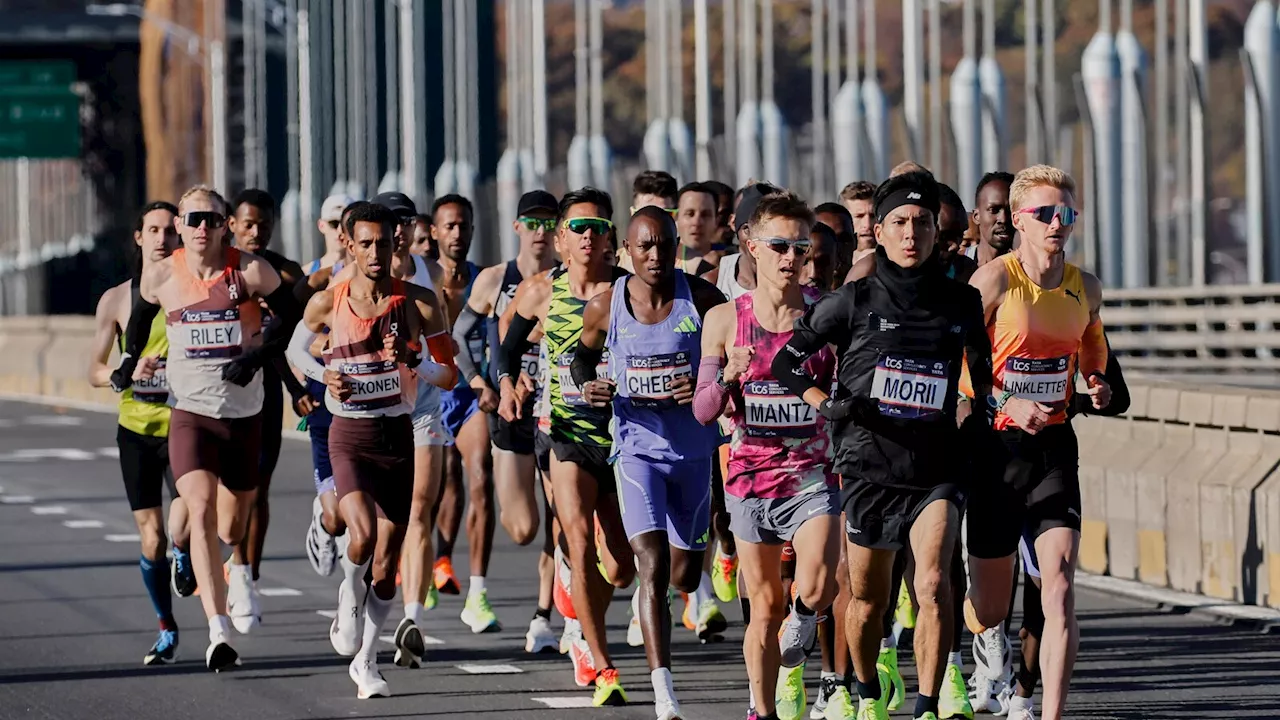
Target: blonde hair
[1036,176]
[206,191]
[907,166]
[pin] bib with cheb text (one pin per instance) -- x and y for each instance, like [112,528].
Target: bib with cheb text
[649,377]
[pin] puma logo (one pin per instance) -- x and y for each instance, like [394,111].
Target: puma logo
[1072,295]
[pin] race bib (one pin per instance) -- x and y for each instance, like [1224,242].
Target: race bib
[570,393]
[211,333]
[154,389]
[374,385]
[770,410]
[649,378]
[1039,379]
[529,365]
[909,388]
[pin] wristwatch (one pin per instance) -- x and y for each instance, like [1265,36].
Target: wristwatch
[997,403]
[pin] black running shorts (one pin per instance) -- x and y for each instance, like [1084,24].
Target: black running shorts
[542,450]
[144,462]
[516,437]
[592,458]
[879,517]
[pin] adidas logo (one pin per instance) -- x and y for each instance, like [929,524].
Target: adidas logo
[687,325]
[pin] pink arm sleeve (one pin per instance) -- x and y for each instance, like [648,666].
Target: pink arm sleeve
[710,397]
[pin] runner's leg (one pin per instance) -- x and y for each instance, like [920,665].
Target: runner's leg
[1056,550]
[760,567]
[933,542]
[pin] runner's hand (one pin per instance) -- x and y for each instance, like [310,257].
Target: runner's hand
[147,367]
[305,405]
[396,348]
[1029,415]
[122,377]
[509,405]
[338,385]
[1099,391]
[856,409]
[239,371]
[487,398]
[682,389]
[599,392]
[738,360]
[527,385]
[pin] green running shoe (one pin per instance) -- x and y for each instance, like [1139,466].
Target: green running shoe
[872,709]
[840,706]
[892,689]
[478,613]
[905,613]
[953,696]
[790,696]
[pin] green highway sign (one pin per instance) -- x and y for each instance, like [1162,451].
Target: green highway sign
[39,113]
[37,73]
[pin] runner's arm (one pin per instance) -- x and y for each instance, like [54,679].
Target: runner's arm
[525,310]
[595,329]
[705,294]
[440,369]
[304,335]
[711,395]
[1081,404]
[104,335]
[977,346]
[136,333]
[467,321]
[1093,345]
[827,322]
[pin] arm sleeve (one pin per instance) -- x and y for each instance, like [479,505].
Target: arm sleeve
[827,322]
[1093,349]
[977,353]
[468,319]
[299,353]
[287,312]
[514,345]
[139,328]
[295,388]
[1082,405]
[439,370]
[710,398]
[583,367]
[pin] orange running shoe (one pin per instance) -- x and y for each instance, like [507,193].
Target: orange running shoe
[445,581]
[584,668]
[560,593]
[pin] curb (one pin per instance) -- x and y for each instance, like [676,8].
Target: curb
[1252,617]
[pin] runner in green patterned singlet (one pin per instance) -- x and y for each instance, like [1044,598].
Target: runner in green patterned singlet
[581,479]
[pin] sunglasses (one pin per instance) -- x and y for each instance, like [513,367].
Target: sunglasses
[781,245]
[670,211]
[203,217]
[1045,214]
[579,226]
[333,224]
[533,224]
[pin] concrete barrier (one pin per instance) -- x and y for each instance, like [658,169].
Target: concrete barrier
[1182,492]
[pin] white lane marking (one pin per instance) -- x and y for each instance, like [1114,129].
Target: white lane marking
[331,614]
[1174,598]
[17,499]
[489,669]
[123,538]
[279,592]
[82,524]
[34,454]
[111,452]
[54,420]
[564,703]
[48,510]
[426,640]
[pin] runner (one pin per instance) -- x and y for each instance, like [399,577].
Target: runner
[737,275]
[901,333]
[371,376]
[779,486]
[423,243]
[1034,362]
[724,210]
[514,468]
[953,220]
[330,226]
[992,216]
[818,271]
[210,295]
[857,197]
[838,218]
[580,436]
[142,433]
[697,226]
[651,323]
[651,187]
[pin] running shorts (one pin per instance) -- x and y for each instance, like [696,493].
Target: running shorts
[594,459]
[272,421]
[318,428]
[879,517]
[230,448]
[675,497]
[375,456]
[774,521]
[1038,490]
[514,437]
[144,462]
[457,406]
[542,451]
[429,430]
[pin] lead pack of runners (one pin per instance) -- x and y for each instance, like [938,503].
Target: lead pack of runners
[819,412]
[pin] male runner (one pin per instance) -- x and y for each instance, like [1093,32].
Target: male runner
[217,346]
[142,435]
[724,210]
[838,218]
[651,322]
[423,243]
[374,322]
[779,486]
[901,334]
[514,469]
[953,220]
[991,215]
[857,197]
[1044,327]
[580,476]
[651,187]
[330,227]
[818,270]
[697,228]
[464,411]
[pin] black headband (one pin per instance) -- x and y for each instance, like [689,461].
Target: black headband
[907,196]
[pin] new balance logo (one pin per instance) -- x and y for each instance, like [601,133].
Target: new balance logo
[913,196]
[686,326]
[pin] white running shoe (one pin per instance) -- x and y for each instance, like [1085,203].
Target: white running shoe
[242,598]
[348,621]
[572,629]
[322,548]
[220,655]
[369,681]
[993,669]
[796,637]
[540,638]
[668,710]
[1021,709]
[1004,698]
[635,636]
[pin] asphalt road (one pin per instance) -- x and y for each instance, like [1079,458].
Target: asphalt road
[75,623]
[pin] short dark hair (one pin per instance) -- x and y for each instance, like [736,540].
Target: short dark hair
[921,181]
[346,211]
[697,187]
[451,199]
[369,212]
[719,189]
[422,218]
[835,209]
[260,199]
[825,230]
[151,206]
[654,182]
[658,215]
[858,190]
[993,176]
[785,204]
[949,197]
[583,196]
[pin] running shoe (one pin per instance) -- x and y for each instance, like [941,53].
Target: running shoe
[608,689]
[344,632]
[668,711]
[220,655]
[892,687]
[724,576]
[567,635]
[182,573]
[369,681]
[432,599]
[796,638]
[478,614]
[790,696]
[687,618]
[411,648]
[635,635]
[905,613]
[242,598]
[928,716]
[561,593]
[872,709]
[165,649]
[953,696]
[540,638]
[443,577]
[840,705]
[1022,713]
[322,548]
[993,669]
[1005,698]
[711,623]
[584,667]
[826,686]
